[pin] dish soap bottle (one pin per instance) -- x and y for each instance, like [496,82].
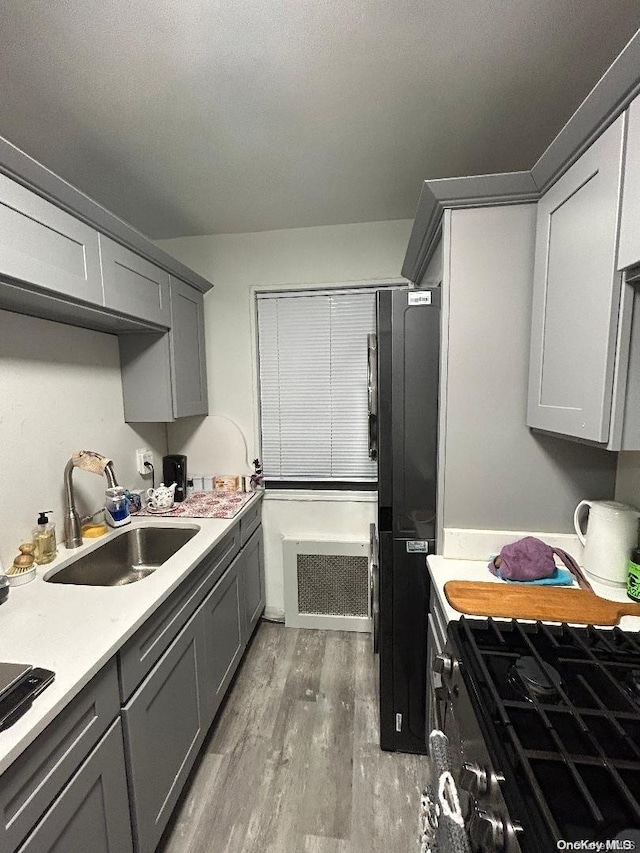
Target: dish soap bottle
[44,539]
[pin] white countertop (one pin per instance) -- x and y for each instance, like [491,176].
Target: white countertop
[443,570]
[76,630]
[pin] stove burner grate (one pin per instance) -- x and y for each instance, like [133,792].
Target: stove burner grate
[561,713]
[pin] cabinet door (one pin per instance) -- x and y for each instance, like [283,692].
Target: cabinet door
[92,812]
[146,377]
[188,366]
[629,249]
[576,295]
[223,635]
[133,285]
[37,776]
[253,599]
[164,727]
[42,245]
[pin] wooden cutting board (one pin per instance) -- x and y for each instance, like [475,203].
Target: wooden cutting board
[480,598]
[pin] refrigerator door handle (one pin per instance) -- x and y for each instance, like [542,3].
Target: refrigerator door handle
[374,588]
[372,374]
[372,394]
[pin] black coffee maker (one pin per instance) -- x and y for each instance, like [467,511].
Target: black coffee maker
[174,470]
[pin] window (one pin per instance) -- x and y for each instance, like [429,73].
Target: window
[312,349]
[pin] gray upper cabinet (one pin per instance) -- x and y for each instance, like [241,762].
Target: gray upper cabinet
[164,375]
[576,295]
[42,245]
[133,285]
[629,249]
[188,366]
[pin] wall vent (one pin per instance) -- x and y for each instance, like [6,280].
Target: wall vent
[326,584]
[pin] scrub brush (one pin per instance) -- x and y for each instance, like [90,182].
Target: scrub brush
[22,570]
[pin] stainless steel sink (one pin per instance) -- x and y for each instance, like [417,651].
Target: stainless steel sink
[127,558]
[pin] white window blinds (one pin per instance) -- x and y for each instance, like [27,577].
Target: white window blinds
[313,385]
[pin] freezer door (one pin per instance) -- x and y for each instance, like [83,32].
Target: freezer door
[415,356]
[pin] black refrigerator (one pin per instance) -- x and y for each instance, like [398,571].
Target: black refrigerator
[404,369]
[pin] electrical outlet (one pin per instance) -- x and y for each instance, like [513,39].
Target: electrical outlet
[143,456]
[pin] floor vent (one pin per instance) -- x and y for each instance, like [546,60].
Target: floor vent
[326,584]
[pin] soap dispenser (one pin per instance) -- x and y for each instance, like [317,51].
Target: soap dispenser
[44,539]
[116,508]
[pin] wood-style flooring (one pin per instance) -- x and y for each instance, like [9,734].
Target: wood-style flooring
[293,763]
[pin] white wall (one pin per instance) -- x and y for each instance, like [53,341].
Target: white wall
[498,473]
[236,263]
[60,391]
[628,478]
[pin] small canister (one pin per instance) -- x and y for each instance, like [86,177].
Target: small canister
[633,575]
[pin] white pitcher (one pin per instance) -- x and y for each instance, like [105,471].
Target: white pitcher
[612,533]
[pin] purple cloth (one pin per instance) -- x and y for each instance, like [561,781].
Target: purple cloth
[530,559]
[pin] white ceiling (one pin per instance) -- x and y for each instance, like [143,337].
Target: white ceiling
[219,116]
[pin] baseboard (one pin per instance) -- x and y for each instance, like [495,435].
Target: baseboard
[274,614]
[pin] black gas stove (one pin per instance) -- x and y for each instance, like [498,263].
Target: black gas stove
[545,722]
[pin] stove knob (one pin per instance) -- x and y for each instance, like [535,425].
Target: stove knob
[486,832]
[443,664]
[473,779]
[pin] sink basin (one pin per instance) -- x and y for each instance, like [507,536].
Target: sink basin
[127,558]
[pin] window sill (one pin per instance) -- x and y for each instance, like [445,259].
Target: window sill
[319,495]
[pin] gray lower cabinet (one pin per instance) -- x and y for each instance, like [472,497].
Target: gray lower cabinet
[629,248]
[92,811]
[167,717]
[76,788]
[224,639]
[576,298]
[133,285]
[43,246]
[165,723]
[36,778]
[253,596]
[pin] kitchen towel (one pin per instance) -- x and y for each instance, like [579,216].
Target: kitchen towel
[206,505]
[531,559]
[442,828]
[561,577]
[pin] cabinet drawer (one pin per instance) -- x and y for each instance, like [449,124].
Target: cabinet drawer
[250,521]
[164,724]
[42,245]
[147,645]
[133,285]
[38,775]
[92,812]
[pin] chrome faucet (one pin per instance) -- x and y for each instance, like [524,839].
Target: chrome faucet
[94,463]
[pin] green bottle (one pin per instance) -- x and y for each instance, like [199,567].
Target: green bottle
[633,576]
